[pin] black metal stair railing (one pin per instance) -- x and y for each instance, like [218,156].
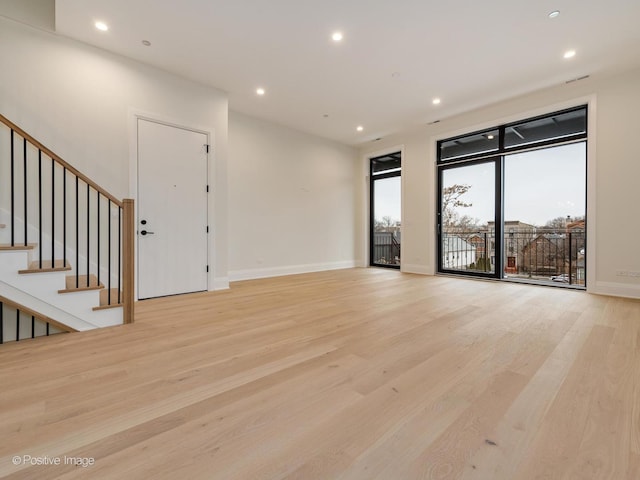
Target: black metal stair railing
[84,222]
[19,323]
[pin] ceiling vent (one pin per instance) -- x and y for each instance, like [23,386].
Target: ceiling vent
[577,79]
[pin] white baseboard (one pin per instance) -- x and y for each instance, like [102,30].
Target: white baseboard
[221,283]
[254,273]
[415,268]
[616,289]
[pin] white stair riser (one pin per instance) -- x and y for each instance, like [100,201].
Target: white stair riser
[45,286]
[34,254]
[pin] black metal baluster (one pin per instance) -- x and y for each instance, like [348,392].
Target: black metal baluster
[53,213]
[47,329]
[64,217]
[24,175]
[570,260]
[98,244]
[109,254]
[40,208]
[88,235]
[119,250]
[1,323]
[17,325]
[13,193]
[77,237]
[33,326]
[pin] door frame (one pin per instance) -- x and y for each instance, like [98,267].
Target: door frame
[372,183]
[134,116]
[498,216]
[368,218]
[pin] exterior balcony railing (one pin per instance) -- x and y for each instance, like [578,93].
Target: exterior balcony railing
[541,255]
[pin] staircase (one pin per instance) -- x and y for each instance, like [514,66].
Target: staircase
[19,323]
[66,244]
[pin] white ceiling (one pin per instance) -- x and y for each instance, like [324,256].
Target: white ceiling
[395,57]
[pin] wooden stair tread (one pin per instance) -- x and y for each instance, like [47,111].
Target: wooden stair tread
[107,307]
[104,299]
[29,246]
[47,266]
[70,284]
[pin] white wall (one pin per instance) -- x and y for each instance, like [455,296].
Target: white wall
[78,100]
[613,220]
[38,13]
[293,201]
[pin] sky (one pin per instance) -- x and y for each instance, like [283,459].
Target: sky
[387,201]
[539,186]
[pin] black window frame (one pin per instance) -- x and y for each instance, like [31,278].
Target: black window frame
[498,157]
[502,149]
[373,176]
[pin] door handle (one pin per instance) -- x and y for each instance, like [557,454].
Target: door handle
[144,232]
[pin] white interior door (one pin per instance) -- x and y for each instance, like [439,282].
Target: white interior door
[172,210]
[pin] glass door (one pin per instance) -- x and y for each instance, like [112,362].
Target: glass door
[386,209]
[467,218]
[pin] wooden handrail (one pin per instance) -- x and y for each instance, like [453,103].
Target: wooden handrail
[59,160]
[37,315]
[128,263]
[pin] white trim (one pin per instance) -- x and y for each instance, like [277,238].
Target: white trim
[616,289]
[254,273]
[221,283]
[365,165]
[135,114]
[591,192]
[415,268]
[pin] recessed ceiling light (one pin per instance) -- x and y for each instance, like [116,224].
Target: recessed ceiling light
[146,43]
[490,137]
[554,14]
[569,54]
[359,128]
[436,101]
[260,91]
[337,36]
[103,27]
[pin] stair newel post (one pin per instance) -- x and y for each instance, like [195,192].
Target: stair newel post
[128,259]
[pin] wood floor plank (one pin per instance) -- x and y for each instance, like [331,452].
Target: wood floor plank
[448,456]
[560,434]
[519,426]
[349,374]
[355,429]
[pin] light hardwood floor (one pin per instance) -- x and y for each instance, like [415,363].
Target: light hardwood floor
[352,374]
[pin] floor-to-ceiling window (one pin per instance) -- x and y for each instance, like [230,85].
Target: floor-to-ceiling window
[512,201]
[385,208]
